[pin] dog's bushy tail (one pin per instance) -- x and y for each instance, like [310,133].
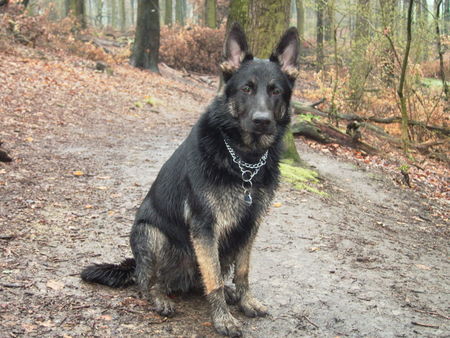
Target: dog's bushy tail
[112,275]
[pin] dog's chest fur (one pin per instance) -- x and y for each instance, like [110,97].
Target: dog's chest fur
[230,210]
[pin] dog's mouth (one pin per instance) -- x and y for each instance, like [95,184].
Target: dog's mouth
[260,133]
[257,140]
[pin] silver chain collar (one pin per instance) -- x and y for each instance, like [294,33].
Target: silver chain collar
[248,171]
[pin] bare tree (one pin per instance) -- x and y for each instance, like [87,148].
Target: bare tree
[77,8]
[401,85]
[168,15]
[180,12]
[300,19]
[211,13]
[146,43]
[263,21]
[319,34]
[437,14]
[123,15]
[359,66]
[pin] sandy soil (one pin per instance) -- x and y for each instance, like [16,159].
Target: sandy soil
[369,259]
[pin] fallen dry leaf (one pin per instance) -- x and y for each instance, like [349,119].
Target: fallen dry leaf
[29,327]
[55,285]
[423,267]
[105,317]
[47,323]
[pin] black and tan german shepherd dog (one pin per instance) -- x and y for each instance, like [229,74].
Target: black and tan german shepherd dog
[201,215]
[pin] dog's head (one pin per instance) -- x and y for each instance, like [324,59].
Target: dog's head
[258,91]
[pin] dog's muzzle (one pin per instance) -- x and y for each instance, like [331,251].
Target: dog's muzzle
[263,122]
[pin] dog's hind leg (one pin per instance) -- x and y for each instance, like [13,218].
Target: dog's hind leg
[207,253]
[148,243]
[248,304]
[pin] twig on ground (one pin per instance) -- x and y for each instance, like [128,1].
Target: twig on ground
[7,238]
[12,285]
[311,322]
[433,313]
[425,325]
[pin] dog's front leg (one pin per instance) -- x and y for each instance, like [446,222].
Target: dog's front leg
[207,253]
[248,304]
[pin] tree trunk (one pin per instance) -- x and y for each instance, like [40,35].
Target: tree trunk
[421,24]
[258,17]
[76,7]
[113,13]
[239,11]
[359,66]
[319,34]
[180,14]
[168,14]
[99,13]
[333,108]
[437,5]
[146,43]
[67,7]
[446,17]
[388,22]
[328,20]
[300,20]
[123,16]
[400,90]
[133,17]
[210,13]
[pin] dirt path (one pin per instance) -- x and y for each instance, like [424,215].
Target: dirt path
[368,260]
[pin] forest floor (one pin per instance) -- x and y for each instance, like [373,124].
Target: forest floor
[369,258]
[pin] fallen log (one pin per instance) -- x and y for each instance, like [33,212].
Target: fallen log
[326,134]
[309,130]
[432,143]
[301,108]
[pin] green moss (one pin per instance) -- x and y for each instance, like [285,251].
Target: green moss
[290,151]
[432,83]
[301,178]
[150,100]
[307,117]
[210,13]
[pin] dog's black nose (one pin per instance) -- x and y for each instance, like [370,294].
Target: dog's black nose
[261,120]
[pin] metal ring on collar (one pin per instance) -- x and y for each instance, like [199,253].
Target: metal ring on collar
[247,185]
[247,175]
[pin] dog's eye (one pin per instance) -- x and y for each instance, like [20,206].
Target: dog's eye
[276,91]
[246,89]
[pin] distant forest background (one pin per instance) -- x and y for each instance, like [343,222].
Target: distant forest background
[386,62]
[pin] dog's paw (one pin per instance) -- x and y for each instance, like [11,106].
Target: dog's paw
[251,307]
[227,325]
[231,295]
[163,306]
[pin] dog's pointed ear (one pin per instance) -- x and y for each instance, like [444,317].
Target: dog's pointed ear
[286,53]
[235,51]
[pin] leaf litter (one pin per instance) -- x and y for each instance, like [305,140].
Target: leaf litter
[322,255]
